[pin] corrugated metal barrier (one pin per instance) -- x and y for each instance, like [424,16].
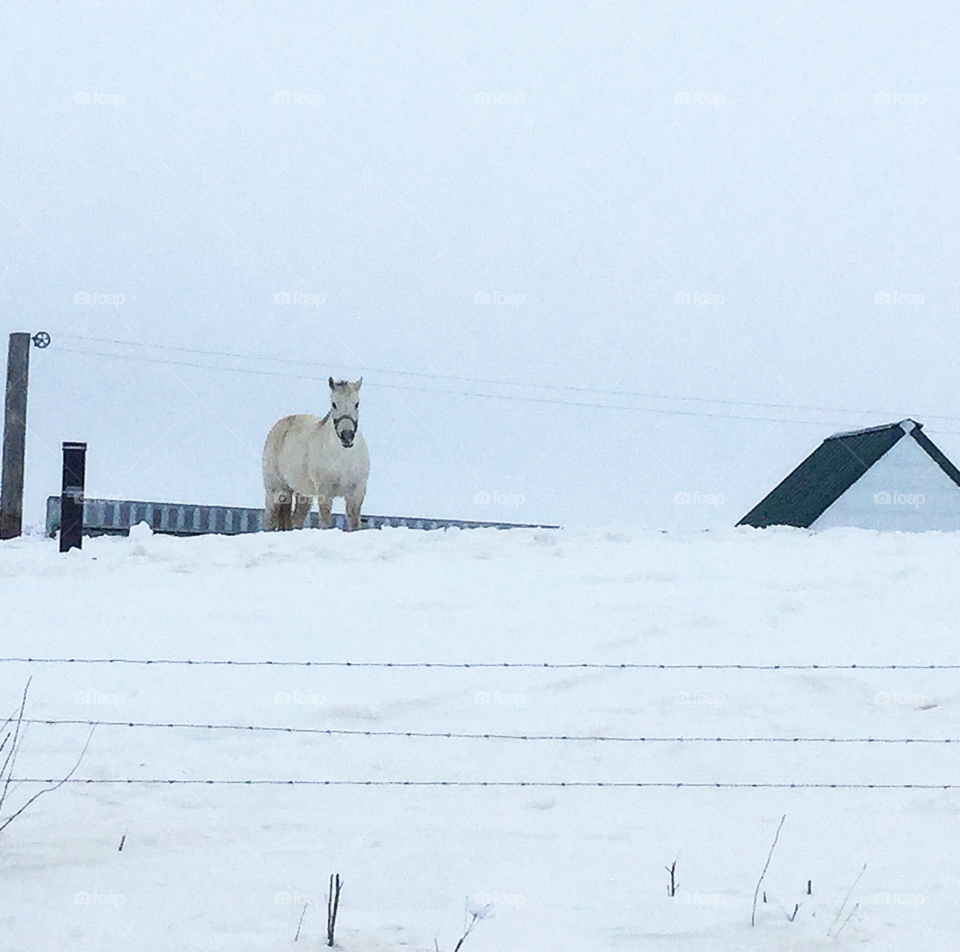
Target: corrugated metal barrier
[116,516]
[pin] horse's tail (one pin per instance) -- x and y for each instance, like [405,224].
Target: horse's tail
[271,450]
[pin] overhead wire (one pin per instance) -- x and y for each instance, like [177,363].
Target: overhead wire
[484,380]
[509,397]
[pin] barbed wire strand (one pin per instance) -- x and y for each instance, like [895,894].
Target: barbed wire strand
[455,735]
[633,784]
[486,665]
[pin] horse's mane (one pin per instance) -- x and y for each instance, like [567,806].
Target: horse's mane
[341,383]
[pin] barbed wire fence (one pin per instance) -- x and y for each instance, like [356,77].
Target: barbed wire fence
[480,665]
[489,736]
[552,784]
[459,735]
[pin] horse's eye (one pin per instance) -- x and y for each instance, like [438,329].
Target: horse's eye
[335,405]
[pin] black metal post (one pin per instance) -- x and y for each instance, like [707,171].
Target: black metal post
[71,496]
[14,436]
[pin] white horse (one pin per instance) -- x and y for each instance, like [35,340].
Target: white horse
[306,456]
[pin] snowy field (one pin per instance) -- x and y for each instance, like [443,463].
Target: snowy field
[210,867]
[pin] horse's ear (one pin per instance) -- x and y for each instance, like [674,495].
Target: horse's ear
[358,383]
[330,381]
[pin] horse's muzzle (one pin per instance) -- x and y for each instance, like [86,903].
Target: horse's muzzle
[346,440]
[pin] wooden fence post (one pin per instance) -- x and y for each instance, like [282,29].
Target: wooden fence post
[71,496]
[14,436]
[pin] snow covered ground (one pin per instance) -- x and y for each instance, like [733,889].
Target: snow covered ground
[208,867]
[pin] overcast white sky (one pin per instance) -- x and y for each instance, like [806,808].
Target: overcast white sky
[701,216]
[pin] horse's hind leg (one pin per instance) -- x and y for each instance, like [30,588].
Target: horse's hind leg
[271,512]
[285,523]
[301,506]
[277,511]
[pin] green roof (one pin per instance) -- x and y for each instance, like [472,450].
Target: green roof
[827,473]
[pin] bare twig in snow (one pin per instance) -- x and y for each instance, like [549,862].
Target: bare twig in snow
[12,743]
[845,921]
[790,915]
[672,870]
[4,823]
[333,904]
[756,892]
[476,913]
[846,899]
[300,923]
[467,931]
[6,771]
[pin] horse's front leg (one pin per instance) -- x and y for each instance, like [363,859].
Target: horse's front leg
[301,506]
[325,506]
[353,504]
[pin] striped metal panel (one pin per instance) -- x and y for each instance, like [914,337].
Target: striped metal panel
[115,516]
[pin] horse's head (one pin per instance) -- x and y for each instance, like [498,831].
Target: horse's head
[345,407]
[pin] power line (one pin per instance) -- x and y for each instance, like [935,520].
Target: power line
[486,665]
[453,735]
[487,381]
[465,379]
[510,398]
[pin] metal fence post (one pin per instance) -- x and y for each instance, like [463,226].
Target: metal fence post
[71,496]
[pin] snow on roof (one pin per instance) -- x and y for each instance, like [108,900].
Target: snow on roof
[906,425]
